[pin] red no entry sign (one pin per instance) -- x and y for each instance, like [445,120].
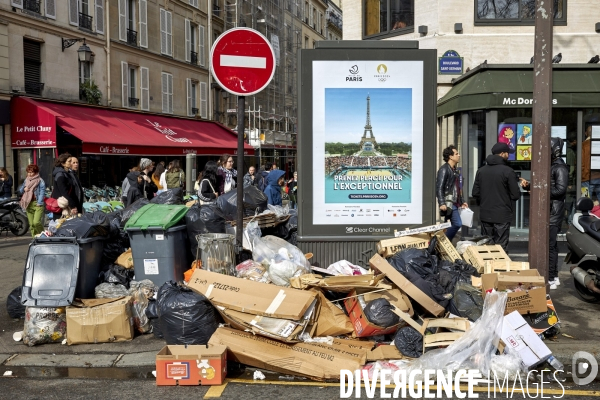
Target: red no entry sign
[242,61]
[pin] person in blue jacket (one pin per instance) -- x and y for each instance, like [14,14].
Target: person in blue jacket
[275,181]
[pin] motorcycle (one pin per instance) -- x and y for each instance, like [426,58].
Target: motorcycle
[13,218]
[583,240]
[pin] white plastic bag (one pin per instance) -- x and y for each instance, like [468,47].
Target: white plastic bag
[344,267]
[461,246]
[466,216]
[279,210]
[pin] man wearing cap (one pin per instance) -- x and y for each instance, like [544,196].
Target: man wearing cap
[496,189]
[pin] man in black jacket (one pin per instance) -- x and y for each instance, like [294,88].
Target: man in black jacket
[448,191]
[559,181]
[496,189]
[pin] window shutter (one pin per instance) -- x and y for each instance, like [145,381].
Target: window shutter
[188,44]
[170,86]
[123,20]
[188,84]
[310,15]
[74,12]
[194,3]
[203,101]
[50,10]
[145,88]
[169,33]
[165,96]
[143,23]
[124,84]
[17,3]
[163,31]
[201,51]
[99,15]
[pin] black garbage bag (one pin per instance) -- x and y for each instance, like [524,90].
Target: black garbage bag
[415,260]
[117,274]
[201,219]
[171,196]
[409,342]
[112,250]
[115,222]
[379,312]
[453,272]
[255,201]
[152,314]
[467,301]
[185,317]
[430,287]
[87,226]
[14,307]
[129,211]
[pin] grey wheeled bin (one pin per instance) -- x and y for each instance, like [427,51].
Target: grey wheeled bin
[51,270]
[90,260]
[159,243]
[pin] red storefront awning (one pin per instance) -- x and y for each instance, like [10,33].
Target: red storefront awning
[108,131]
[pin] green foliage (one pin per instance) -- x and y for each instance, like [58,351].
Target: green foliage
[351,148]
[90,92]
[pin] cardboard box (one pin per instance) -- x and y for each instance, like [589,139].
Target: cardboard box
[191,365]
[252,297]
[518,335]
[362,326]
[529,301]
[340,283]
[385,352]
[100,321]
[388,247]
[310,360]
[541,322]
[380,264]
[331,320]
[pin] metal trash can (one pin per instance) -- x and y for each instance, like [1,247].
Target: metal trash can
[217,252]
[158,243]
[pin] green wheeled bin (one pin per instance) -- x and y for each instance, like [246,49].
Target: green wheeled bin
[159,243]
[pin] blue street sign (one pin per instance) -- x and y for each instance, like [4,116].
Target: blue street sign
[451,63]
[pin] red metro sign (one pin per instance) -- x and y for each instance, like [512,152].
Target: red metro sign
[242,61]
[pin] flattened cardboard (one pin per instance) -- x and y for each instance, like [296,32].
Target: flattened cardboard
[302,359]
[108,321]
[340,283]
[388,247]
[379,263]
[331,321]
[191,365]
[519,336]
[252,297]
[385,352]
[355,343]
[529,301]
[423,229]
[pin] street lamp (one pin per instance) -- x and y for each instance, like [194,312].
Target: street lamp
[84,52]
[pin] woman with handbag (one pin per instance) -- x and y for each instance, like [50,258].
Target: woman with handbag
[63,184]
[33,190]
[226,175]
[175,177]
[206,192]
[6,183]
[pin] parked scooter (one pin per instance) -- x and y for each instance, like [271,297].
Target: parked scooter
[13,218]
[583,239]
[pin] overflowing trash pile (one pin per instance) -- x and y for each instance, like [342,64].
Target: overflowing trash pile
[171,270]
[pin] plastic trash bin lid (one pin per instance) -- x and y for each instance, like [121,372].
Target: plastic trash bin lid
[157,215]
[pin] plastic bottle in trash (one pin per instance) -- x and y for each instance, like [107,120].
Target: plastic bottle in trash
[557,365]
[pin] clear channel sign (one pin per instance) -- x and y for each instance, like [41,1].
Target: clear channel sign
[242,61]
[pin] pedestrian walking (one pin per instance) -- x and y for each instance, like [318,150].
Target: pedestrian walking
[496,189]
[63,183]
[250,179]
[147,187]
[163,176]
[448,191]
[207,192]
[263,172]
[175,177]
[293,189]
[6,184]
[226,175]
[156,175]
[275,181]
[125,185]
[559,181]
[135,187]
[33,190]
[78,196]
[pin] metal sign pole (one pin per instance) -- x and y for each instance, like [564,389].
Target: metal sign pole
[239,226]
[539,246]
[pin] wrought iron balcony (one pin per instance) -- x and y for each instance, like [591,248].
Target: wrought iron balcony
[133,102]
[194,111]
[32,5]
[32,87]
[193,57]
[85,21]
[131,37]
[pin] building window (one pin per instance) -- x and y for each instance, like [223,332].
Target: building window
[306,42]
[134,100]
[85,20]
[192,98]
[131,26]
[85,71]
[389,17]
[514,12]
[167,93]
[32,63]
